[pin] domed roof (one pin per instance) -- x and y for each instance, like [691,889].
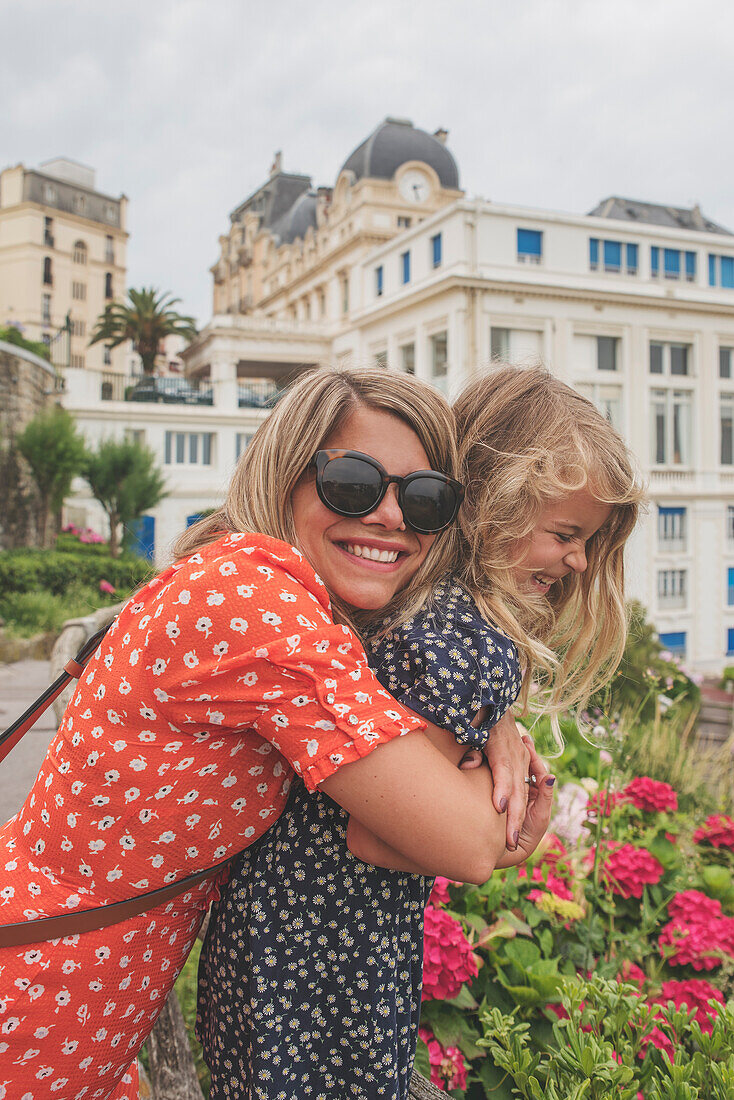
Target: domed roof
[296,220]
[394,142]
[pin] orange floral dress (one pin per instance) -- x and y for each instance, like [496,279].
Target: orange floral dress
[220,679]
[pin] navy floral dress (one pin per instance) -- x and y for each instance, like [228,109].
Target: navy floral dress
[311,971]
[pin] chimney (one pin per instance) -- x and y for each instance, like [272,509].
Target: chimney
[277,165]
[697,217]
[441,135]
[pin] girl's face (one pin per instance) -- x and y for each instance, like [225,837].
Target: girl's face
[341,549]
[557,544]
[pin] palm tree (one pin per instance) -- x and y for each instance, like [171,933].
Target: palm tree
[145,319]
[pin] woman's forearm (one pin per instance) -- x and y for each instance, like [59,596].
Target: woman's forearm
[367,846]
[424,807]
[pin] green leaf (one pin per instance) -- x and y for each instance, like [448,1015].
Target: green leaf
[524,995]
[717,879]
[422,1062]
[464,999]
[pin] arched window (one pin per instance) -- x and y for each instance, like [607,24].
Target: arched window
[47,271]
[79,255]
[108,285]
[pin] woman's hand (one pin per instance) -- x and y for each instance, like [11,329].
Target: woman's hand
[538,814]
[509,759]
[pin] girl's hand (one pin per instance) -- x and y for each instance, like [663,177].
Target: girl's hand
[509,759]
[537,817]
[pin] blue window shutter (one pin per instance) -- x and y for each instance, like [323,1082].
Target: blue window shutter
[612,255]
[712,270]
[730,641]
[529,242]
[664,511]
[593,253]
[727,271]
[672,262]
[691,265]
[654,259]
[406,267]
[378,280]
[674,641]
[632,258]
[437,250]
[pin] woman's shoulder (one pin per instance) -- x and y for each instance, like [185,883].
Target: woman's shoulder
[240,562]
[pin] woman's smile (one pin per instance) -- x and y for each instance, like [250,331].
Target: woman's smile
[364,560]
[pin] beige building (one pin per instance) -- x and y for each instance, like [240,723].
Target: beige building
[62,252]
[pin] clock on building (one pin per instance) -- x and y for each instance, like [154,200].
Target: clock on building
[414,186]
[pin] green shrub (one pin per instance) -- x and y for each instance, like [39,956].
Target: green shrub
[54,571]
[29,613]
[726,676]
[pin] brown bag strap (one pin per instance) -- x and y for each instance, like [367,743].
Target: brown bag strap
[72,670]
[83,920]
[90,920]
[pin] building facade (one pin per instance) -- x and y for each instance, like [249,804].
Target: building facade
[62,253]
[633,304]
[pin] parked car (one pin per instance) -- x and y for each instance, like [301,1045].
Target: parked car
[171,391]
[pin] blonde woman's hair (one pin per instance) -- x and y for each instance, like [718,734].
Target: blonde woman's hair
[526,441]
[259,495]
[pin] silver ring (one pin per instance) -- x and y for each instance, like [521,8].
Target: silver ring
[530,779]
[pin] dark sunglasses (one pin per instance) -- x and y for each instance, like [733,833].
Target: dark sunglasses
[353,484]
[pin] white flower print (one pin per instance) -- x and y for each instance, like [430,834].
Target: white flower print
[238,625]
[204,625]
[245,591]
[173,630]
[215,599]
[184,596]
[228,568]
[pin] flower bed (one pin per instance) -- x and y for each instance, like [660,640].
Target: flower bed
[609,960]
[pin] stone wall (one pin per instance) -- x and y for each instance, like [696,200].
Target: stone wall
[28,384]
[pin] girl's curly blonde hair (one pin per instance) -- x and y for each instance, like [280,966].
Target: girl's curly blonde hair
[525,441]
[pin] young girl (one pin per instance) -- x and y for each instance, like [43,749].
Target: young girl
[311,989]
[221,680]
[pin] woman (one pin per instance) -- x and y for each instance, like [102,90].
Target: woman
[227,674]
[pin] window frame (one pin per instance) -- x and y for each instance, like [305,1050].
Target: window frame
[177,443]
[526,240]
[673,401]
[672,535]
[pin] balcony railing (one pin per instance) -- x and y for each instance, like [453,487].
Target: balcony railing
[257,395]
[154,390]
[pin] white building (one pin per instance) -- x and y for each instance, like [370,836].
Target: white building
[633,304]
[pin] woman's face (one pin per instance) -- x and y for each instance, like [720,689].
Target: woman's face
[333,543]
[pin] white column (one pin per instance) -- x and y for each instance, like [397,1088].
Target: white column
[224,380]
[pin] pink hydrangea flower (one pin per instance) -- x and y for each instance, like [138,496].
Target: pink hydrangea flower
[717,830]
[601,802]
[632,974]
[106,587]
[629,869]
[448,960]
[552,883]
[698,931]
[695,995]
[448,1068]
[440,892]
[650,795]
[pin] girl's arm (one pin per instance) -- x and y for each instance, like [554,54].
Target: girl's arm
[420,803]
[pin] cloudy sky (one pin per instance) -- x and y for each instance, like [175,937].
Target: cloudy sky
[180,104]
